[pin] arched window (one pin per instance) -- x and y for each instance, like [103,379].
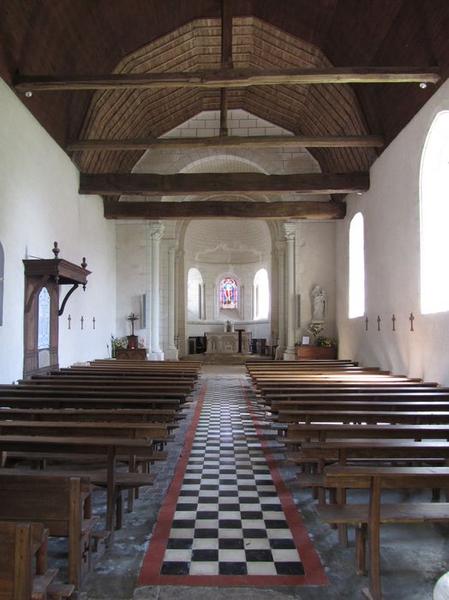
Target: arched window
[195,291]
[261,295]
[356,267]
[434,191]
[229,293]
[2,281]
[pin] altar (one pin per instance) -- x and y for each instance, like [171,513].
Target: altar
[231,342]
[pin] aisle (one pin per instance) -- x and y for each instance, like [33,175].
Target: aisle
[228,518]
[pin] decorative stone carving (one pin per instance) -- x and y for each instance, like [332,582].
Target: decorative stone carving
[156,230]
[290,231]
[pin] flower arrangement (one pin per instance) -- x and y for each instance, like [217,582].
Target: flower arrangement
[116,343]
[326,342]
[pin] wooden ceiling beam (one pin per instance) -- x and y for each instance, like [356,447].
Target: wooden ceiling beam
[274,141]
[226,78]
[200,184]
[206,209]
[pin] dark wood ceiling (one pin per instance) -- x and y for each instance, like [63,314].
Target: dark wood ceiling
[44,37]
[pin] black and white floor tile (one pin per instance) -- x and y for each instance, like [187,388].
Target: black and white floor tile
[229,518]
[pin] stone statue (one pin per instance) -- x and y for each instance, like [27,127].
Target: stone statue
[229,327]
[318,303]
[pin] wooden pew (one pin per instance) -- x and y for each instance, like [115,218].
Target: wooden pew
[38,391]
[375,514]
[63,384]
[367,396]
[151,415]
[108,382]
[342,450]
[60,401]
[62,504]
[298,434]
[109,448]
[361,406]
[154,432]
[367,416]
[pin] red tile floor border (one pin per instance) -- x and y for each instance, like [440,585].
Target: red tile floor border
[153,559]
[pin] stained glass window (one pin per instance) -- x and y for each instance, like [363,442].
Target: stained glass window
[229,291]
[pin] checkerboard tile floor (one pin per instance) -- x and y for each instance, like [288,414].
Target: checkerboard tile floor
[229,519]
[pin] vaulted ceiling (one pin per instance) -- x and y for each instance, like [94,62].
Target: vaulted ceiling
[69,38]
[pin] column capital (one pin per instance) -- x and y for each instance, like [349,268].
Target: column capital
[289,231]
[156,230]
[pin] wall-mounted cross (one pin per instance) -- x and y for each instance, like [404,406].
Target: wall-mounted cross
[93,322]
[411,319]
[379,321]
[393,321]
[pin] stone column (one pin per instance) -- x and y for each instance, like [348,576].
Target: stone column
[155,233]
[203,297]
[172,351]
[181,303]
[290,235]
[278,297]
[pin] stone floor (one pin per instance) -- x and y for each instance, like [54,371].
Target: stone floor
[412,557]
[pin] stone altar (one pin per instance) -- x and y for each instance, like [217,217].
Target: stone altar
[227,343]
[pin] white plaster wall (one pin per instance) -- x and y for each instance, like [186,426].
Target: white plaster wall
[391,212]
[39,203]
[132,276]
[316,265]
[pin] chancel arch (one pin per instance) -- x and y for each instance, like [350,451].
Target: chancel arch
[228,254]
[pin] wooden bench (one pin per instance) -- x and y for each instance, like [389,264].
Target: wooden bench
[156,432]
[36,391]
[299,433]
[62,504]
[109,448]
[29,400]
[94,385]
[394,417]
[373,515]
[361,405]
[23,564]
[151,415]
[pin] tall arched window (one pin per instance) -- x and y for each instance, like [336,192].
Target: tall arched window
[195,291]
[261,295]
[356,267]
[434,204]
[2,281]
[229,293]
